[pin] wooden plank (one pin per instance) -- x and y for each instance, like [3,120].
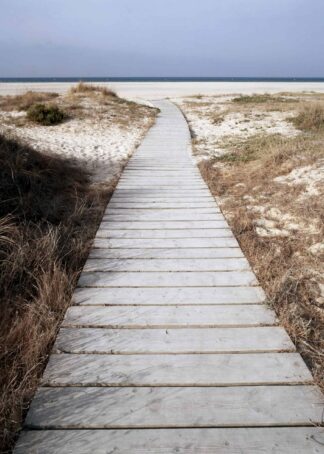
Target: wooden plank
[172,253]
[184,194]
[156,211]
[175,407]
[166,225]
[189,340]
[168,316]
[167,279]
[176,370]
[162,196]
[116,204]
[270,440]
[158,198]
[224,264]
[168,296]
[175,233]
[163,216]
[161,185]
[165,243]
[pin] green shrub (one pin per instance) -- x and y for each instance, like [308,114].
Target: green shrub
[45,114]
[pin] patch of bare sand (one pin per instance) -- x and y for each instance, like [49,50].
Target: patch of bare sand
[101,131]
[216,121]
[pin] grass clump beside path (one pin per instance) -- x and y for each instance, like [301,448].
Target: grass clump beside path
[45,115]
[49,212]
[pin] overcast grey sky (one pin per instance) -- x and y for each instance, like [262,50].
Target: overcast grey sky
[161,38]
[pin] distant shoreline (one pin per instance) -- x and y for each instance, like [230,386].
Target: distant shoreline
[158,79]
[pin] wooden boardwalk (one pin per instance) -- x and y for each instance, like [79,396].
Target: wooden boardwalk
[168,347]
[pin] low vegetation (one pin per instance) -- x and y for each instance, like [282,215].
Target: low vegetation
[25,101]
[49,212]
[83,88]
[260,99]
[310,117]
[45,115]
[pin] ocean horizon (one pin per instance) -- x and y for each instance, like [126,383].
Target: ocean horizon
[160,79]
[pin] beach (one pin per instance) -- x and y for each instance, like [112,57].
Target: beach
[158,90]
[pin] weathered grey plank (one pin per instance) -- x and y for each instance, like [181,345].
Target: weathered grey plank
[165,242]
[269,440]
[168,316]
[162,185]
[167,279]
[189,340]
[161,215]
[184,194]
[166,225]
[224,264]
[172,253]
[176,370]
[168,296]
[175,233]
[115,204]
[175,407]
[168,210]
[134,199]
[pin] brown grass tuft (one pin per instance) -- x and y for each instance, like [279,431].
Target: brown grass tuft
[49,213]
[310,117]
[84,88]
[25,101]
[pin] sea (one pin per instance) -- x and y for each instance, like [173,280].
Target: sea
[161,79]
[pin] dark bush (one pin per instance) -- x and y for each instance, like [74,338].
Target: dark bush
[45,115]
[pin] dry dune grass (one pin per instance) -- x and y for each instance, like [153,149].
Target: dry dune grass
[83,101]
[49,214]
[25,101]
[288,257]
[104,101]
[82,88]
[260,99]
[310,117]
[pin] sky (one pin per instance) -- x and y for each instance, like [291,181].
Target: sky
[160,38]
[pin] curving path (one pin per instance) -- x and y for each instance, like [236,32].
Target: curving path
[168,347]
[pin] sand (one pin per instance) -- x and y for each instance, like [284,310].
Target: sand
[210,136]
[158,90]
[97,140]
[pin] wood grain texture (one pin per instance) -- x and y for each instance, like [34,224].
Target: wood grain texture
[168,296]
[168,316]
[291,440]
[189,340]
[136,407]
[176,370]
